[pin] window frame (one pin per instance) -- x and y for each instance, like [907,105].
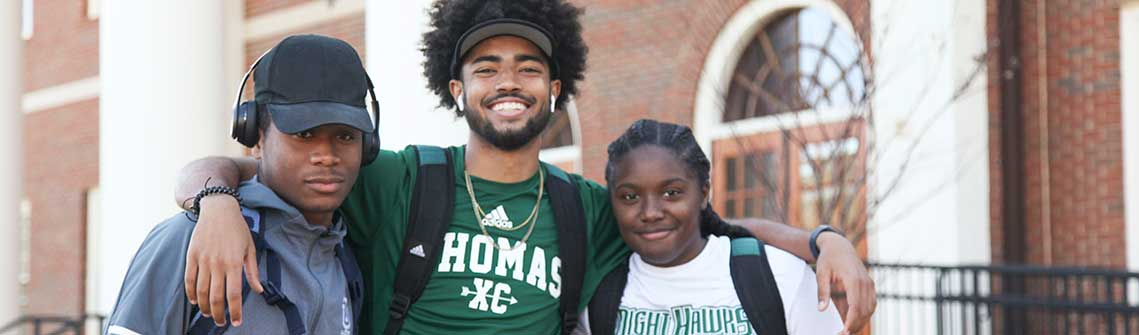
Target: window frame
[730,139]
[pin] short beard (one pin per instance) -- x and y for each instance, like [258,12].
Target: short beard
[507,140]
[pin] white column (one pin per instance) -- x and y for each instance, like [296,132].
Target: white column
[233,67]
[393,33]
[938,214]
[970,116]
[164,83]
[1129,69]
[11,158]
[939,211]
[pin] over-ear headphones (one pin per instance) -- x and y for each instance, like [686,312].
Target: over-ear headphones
[244,128]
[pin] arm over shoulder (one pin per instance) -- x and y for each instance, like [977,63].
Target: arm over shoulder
[378,188]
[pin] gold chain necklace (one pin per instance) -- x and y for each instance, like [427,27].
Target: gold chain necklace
[479,214]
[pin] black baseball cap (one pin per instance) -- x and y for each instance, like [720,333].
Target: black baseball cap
[527,30]
[307,81]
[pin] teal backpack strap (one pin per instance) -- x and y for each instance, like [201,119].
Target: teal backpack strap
[569,217]
[755,286]
[432,205]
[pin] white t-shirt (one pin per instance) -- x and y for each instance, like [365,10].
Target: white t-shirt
[698,297]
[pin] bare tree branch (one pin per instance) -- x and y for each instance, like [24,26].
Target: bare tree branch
[841,174]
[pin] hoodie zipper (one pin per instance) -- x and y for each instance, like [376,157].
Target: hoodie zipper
[320,285]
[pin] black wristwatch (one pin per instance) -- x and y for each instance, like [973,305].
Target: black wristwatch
[813,241]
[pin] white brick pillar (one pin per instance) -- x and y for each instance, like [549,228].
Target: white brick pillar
[11,158]
[393,32]
[164,100]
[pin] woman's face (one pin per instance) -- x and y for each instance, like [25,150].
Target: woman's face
[657,201]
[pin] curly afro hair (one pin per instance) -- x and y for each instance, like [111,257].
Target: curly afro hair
[451,18]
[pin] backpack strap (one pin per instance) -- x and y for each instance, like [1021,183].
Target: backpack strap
[755,286]
[274,296]
[432,204]
[201,325]
[606,303]
[355,280]
[569,217]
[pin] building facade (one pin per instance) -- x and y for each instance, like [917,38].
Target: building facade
[940,132]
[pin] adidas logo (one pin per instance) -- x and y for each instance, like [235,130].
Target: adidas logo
[497,218]
[418,251]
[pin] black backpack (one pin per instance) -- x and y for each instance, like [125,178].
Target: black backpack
[429,218]
[200,325]
[751,275]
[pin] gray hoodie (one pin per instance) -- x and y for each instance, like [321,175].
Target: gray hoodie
[152,299]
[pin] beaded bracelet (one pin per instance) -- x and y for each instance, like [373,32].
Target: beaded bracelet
[210,191]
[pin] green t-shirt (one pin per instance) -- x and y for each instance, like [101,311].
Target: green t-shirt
[476,288]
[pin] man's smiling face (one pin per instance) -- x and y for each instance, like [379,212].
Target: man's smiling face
[506,90]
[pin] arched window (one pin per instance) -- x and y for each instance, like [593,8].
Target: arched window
[801,60]
[790,143]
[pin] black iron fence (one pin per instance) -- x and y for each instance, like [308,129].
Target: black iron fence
[922,299]
[54,325]
[993,299]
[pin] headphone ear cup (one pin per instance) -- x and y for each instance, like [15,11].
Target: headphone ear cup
[371,148]
[245,124]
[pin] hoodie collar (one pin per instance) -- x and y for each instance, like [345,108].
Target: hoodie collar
[256,195]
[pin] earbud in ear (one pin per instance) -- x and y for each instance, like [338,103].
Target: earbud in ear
[553,103]
[459,104]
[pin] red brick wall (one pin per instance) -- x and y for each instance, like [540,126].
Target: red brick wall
[258,7]
[60,165]
[1080,49]
[350,29]
[645,62]
[996,193]
[64,45]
